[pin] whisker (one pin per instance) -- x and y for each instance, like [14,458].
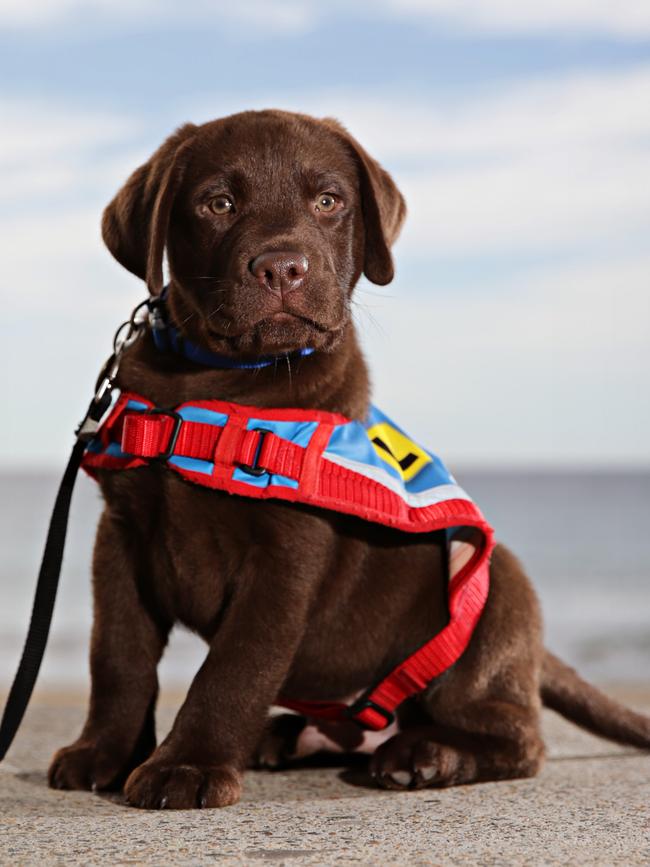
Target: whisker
[289,369]
[364,308]
[206,277]
[214,312]
[372,292]
[187,319]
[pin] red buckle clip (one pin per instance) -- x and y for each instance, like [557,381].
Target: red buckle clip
[358,707]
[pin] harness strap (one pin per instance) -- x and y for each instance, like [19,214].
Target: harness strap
[153,435]
[376,709]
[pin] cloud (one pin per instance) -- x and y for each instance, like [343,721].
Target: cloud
[31,128]
[48,149]
[544,203]
[562,353]
[540,165]
[279,16]
[59,165]
[626,18]
[575,109]
[629,19]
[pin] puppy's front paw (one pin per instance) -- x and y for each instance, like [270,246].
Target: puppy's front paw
[158,785]
[86,765]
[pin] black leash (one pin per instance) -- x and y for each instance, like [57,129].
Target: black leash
[46,587]
[48,576]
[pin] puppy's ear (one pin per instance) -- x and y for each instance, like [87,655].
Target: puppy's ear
[384,209]
[135,223]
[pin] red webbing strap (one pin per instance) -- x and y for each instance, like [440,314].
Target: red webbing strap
[328,710]
[149,435]
[375,710]
[467,597]
[279,456]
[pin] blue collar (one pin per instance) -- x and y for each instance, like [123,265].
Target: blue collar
[167,338]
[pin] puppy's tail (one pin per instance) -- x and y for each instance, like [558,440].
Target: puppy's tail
[564,691]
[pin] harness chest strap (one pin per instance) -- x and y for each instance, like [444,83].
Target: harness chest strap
[162,434]
[226,454]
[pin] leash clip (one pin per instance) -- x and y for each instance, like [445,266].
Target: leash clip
[89,425]
[125,336]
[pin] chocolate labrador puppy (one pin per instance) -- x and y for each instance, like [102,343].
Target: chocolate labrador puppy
[268,220]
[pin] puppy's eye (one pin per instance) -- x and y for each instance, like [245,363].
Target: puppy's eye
[326,202]
[221,205]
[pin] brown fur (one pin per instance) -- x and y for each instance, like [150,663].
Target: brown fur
[289,599]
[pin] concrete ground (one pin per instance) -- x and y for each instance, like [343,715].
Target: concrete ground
[591,805]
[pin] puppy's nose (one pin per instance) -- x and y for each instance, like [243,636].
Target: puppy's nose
[280,271]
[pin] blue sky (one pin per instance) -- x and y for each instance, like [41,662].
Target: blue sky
[520,317]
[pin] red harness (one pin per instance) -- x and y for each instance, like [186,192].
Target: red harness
[290,454]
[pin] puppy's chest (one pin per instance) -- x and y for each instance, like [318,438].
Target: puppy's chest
[197,546]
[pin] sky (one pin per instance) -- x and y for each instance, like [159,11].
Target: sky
[517,329]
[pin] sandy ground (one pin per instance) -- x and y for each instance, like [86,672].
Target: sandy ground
[591,805]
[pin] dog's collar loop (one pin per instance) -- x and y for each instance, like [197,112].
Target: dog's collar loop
[167,338]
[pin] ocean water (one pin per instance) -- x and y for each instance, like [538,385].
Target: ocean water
[584,538]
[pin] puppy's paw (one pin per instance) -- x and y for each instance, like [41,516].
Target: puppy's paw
[86,765]
[159,785]
[415,761]
[278,744]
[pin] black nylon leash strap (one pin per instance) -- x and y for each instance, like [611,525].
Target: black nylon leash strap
[48,576]
[43,605]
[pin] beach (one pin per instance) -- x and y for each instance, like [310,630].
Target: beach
[589,806]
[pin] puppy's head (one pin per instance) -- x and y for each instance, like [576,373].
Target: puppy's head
[268,219]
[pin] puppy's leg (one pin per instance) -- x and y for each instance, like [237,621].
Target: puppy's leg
[200,763]
[289,738]
[484,713]
[119,732]
[278,746]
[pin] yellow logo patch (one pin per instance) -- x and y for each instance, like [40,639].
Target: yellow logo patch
[398,450]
